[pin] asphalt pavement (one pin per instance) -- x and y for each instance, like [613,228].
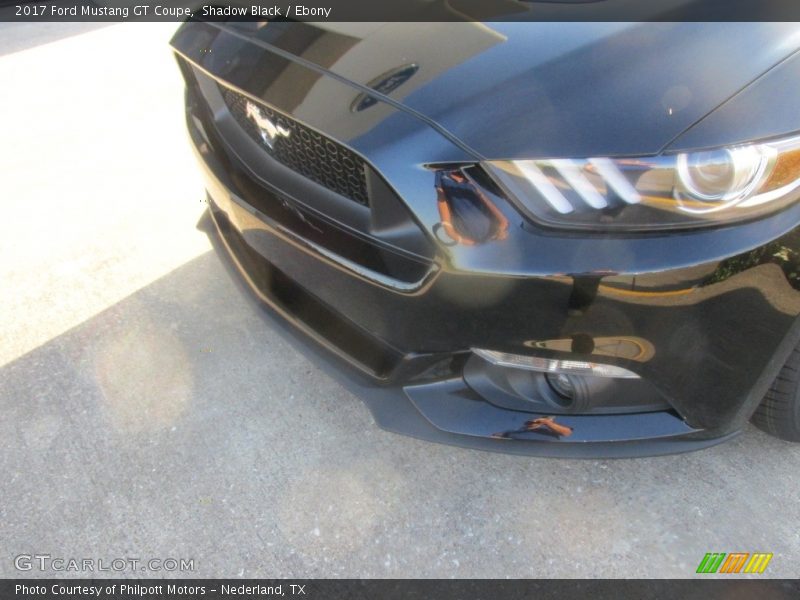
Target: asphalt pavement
[151,409]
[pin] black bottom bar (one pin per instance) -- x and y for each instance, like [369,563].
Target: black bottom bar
[388,589]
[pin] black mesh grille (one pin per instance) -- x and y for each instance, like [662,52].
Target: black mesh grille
[304,150]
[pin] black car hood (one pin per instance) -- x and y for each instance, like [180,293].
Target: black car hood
[533,90]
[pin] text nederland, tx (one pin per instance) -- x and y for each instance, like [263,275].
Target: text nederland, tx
[136,589]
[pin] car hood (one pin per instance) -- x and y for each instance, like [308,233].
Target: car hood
[534,90]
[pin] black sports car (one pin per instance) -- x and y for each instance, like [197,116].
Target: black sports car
[559,239]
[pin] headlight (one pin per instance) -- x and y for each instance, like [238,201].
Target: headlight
[691,189]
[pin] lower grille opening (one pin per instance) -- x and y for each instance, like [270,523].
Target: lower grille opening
[376,358]
[319,231]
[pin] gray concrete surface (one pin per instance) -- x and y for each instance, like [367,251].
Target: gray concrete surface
[151,410]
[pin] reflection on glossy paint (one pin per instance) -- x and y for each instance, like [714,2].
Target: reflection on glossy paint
[468,216]
[584,291]
[781,252]
[627,347]
[366,53]
[544,425]
[384,84]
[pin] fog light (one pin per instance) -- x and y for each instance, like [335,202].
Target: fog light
[551,365]
[568,392]
[561,384]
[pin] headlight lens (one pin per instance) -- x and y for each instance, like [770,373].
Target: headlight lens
[662,192]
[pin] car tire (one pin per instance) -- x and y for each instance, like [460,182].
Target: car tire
[779,412]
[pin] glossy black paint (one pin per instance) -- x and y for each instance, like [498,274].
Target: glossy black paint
[719,311]
[539,90]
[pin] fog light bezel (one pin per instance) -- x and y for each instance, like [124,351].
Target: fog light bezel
[554,365]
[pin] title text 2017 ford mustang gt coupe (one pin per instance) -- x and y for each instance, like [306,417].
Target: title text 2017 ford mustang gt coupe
[560,239]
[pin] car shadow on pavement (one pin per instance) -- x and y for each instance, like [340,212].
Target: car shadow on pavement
[188,420]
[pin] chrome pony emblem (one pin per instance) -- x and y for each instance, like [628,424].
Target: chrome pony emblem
[270,132]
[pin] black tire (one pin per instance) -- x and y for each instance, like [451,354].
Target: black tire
[779,412]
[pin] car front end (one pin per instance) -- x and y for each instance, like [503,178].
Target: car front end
[553,239]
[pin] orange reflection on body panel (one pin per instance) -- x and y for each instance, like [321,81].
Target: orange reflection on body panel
[467,215]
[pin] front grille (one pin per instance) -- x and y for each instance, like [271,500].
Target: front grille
[303,149]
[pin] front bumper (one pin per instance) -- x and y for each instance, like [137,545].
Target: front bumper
[717,324]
